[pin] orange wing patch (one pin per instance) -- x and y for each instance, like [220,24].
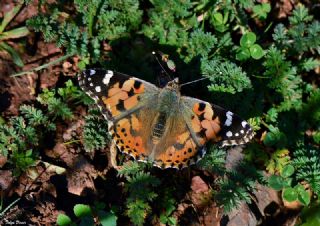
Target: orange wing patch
[179,155]
[123,97]
[206,124]
[123,133]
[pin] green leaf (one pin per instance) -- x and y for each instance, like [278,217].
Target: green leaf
[276,182]
[63,220]
[14,33]
[243,54]
[81,210]
[28,153]
[15,56]
[172,221]
[266,7]
[287,171]
[316,137]
[107,219]
[299,188]
[163,219]
[256,51]
[275,137]
[217,18]
[310,64]
[311,215]
[262,10]
[304,197]
[8,16]
[290,194]
[248,39]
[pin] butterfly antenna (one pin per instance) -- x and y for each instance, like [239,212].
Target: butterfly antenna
[155,55]
[187,83]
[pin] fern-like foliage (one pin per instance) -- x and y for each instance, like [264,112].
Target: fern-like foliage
[21,137]
[82,33]
[302,34]
[283,79]
[214,160]
[307,164]
[311,109]
[95,131]
[141,191]
[225,76]
[235,188]
[60,103]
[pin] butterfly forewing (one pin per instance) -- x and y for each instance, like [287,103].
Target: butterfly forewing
[210,122]
[116,94]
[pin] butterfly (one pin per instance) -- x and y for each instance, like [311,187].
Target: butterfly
[159,124]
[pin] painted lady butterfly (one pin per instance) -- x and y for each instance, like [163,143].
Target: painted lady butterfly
[158,124]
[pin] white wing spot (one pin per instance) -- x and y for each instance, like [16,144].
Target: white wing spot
[237,134]
[91,84]
[228,122]
[242,131]
[98,89]
[244,123]
[89,79]
[229,134]
[107,77]
[92,72]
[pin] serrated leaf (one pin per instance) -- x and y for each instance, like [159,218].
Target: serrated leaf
[81,210]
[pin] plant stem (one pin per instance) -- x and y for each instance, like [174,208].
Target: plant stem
[43,66]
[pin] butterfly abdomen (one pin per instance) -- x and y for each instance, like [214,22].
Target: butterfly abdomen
[159,127]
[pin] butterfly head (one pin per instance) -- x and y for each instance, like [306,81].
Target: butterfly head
[173,85]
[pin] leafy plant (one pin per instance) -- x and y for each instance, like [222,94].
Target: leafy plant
[248,48]
[284,182]
[307,163]
[278,160]
[23,136]
[15,33]
[236,186]
[95,131]
[140,188]
[86,215]
[82,33]
[234,79]
[58,103]
[20,137]
[261,10]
